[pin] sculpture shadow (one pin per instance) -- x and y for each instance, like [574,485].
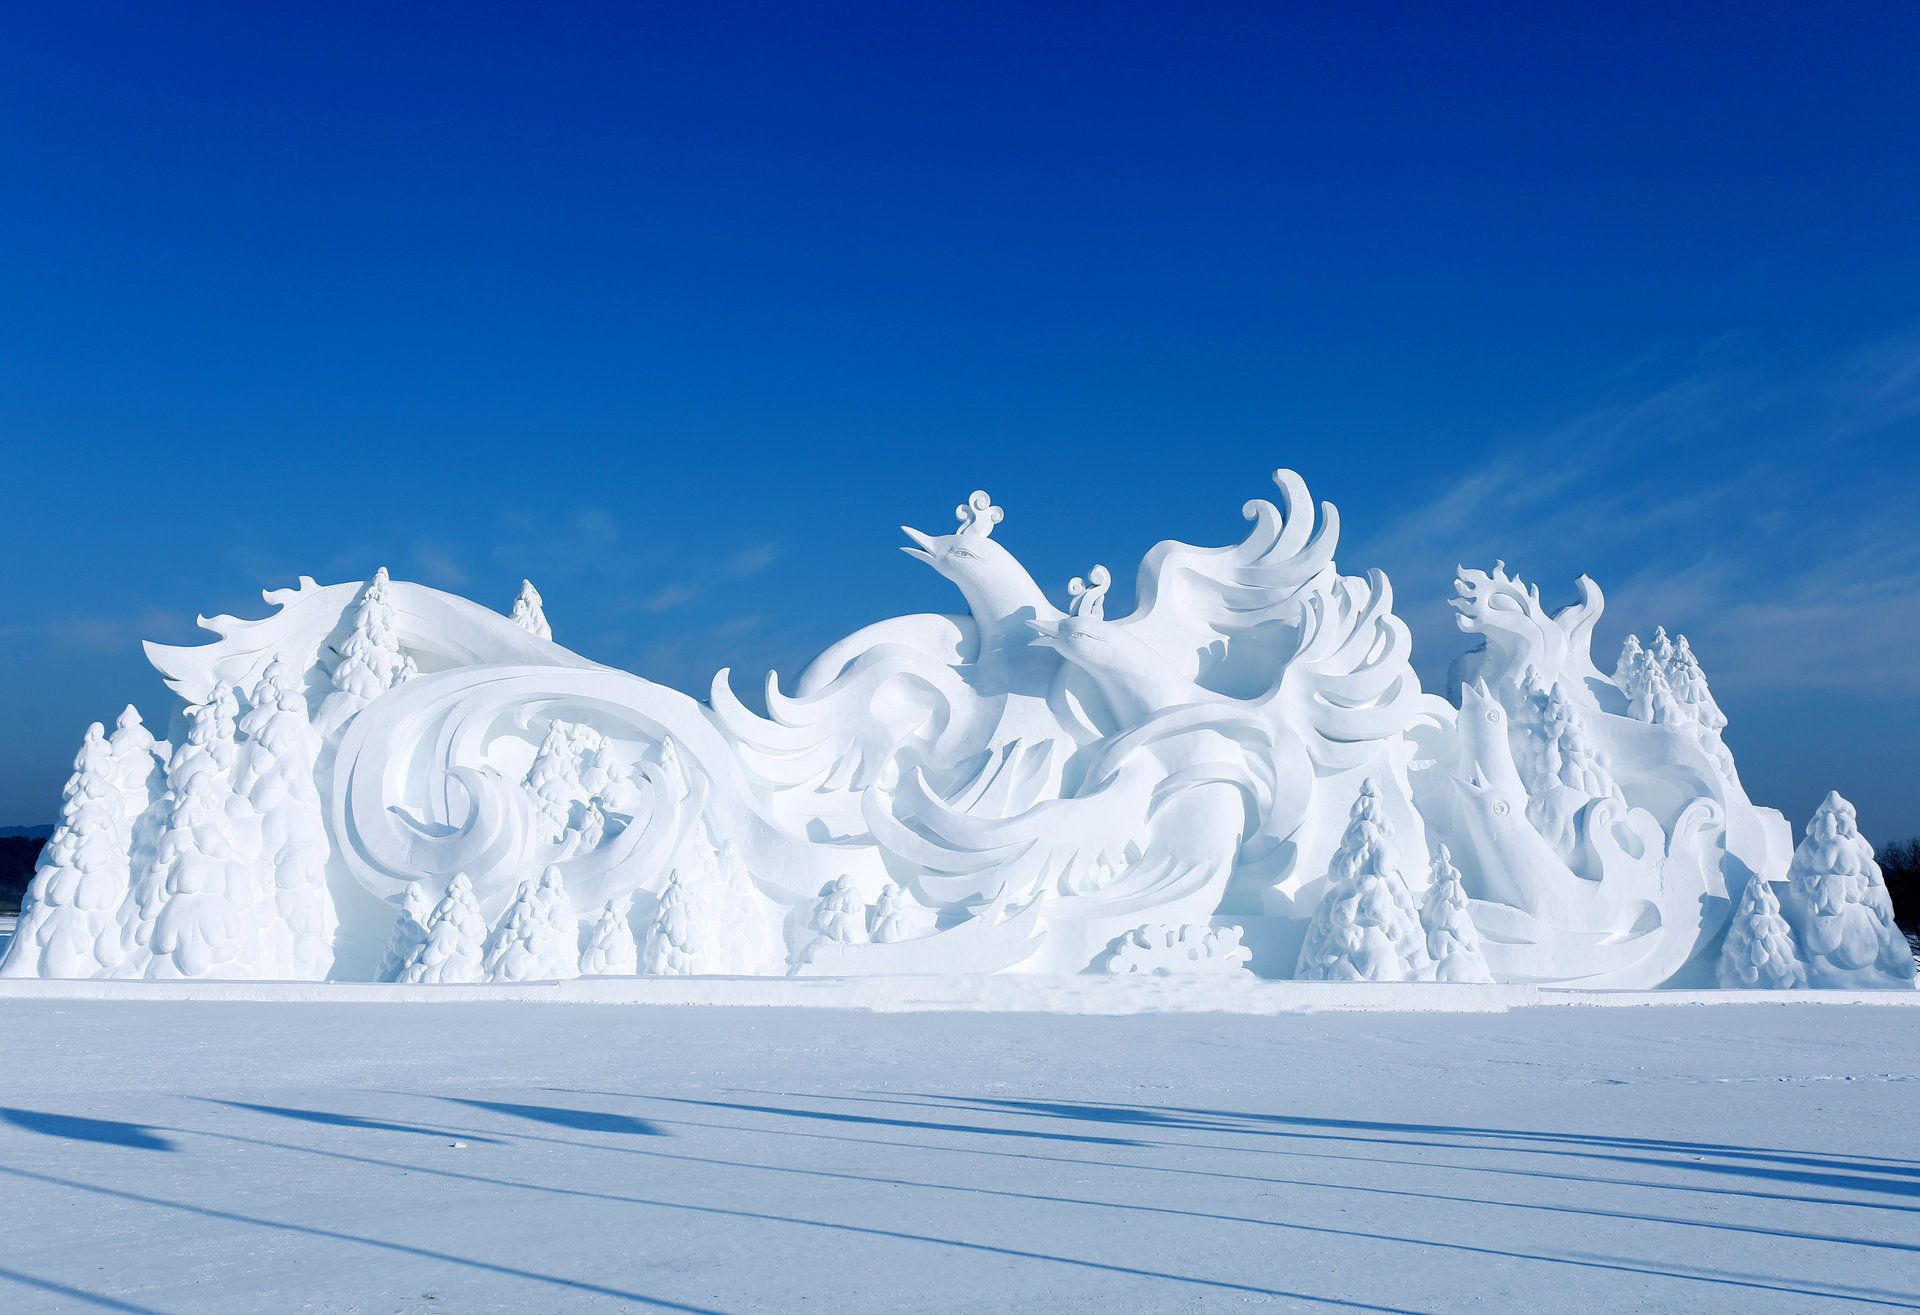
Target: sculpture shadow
[105,1132]
[556,1116]
[1874,1175]
[1579,1260]
[880,1121]
[329,1119]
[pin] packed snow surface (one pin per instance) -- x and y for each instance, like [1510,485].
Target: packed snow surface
[210,1157]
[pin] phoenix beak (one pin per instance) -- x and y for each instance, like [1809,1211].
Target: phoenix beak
[1047,631]
[923,553]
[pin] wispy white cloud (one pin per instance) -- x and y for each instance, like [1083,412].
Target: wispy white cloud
[1743,504]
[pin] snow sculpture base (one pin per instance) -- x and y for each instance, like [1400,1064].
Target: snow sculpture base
[1240,778]
[1082,993]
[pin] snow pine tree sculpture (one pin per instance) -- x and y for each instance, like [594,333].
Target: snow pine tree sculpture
[839,917]
[1841,909]
[67,926]
[1055,776]
[611,951]
[274,773]
[371,660]
[673,947]
[528,613]
[1759,952]
[539,938]
[1366,929]
[1453,945]
[454,941]
[140,776]
[408,935]
[205,923]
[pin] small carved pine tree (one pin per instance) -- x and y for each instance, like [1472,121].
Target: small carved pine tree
[538,940]
[1452,942]
[611,951]
[1759,951]
[1841,907]
[371,661]
[67,926]
[672,936]
[839,916]
[529,613]
[408,935]
[1365,929]
[455,942]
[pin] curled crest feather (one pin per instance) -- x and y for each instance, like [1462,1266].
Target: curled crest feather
[978,515]
[1090,595]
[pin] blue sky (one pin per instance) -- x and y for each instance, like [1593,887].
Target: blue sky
[681,310]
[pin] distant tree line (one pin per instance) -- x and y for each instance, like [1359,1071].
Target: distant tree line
[1900,865]
[18,854]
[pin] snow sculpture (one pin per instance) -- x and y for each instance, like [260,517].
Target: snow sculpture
[528,613]
[1024,784]
[1840,907]
[371,661]
[839,915]
[672,948]
[1453,946]
[1758,952]
[1163,951]
[539,938]
[409,934]
[204,920]
[140,776]
[611,951]
[67,926]
[456,935]
[1366,928]
[274,773]
[889,920]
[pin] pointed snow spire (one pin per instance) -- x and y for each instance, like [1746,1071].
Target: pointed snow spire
[1366,928]
[453,940]
[1452,942]
[140,775]
[409,933]
[371,661]
[1626,672]
[1689,685]
[1661,649]
[67,926]
[529,614]
[1759,951]
[611,951]
[1841,909]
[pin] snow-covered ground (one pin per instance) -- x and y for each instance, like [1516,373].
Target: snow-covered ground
[208,1157]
